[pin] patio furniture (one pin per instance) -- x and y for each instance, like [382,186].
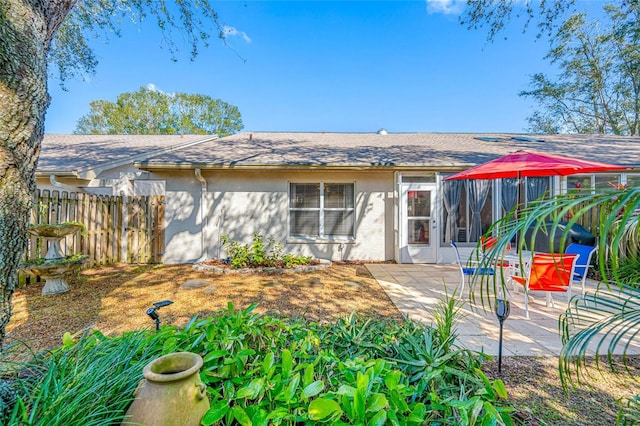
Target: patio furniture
[549,273]
[517,263]
[583,263]
[546,241]
[468,270]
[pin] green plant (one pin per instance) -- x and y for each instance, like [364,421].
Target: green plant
[629,270]
[260,253]
[88,382]
[606,320]
[262,370]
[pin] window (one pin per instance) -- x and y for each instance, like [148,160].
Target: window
[595,181]
[467,212]
[321,210]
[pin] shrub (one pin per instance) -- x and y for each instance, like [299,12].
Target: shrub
[260,253]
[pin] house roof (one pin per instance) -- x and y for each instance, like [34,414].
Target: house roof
[439,151]
[85,156]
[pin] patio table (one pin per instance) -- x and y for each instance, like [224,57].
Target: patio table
[515,263]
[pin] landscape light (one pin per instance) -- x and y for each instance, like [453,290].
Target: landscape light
[153,311]
[502,312]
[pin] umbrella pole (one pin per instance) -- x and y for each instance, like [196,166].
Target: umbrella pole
[518,206]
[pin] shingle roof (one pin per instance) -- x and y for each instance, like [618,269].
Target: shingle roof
[90,153]
[394,150]
[87,155]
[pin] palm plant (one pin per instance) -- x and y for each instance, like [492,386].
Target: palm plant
[602,322]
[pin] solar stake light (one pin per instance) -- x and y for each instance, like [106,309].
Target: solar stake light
[153,312]
[502,312]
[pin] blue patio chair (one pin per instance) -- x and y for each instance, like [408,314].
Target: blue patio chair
[467,270]
[583,262]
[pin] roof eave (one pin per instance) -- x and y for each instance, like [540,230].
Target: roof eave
[359,167]
[93,172]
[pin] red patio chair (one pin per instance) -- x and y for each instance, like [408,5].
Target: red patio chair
[548,273]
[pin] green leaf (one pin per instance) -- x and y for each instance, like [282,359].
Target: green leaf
[278,413]
[290,389]
[418,413]
[246,352]
[321,408]
[476,408]
[501,390]
[379,366]
[67,339]
[346,390]
[392,379]
[308,375]
[267,363]
[241,416]
[287,363]
[169,345]
[491,416]
[378,420]
[376,402]
[215,413]
[362,383]
[215,355]
[259,418]
[252,390]
[398,402]
[313,389]
[359,400]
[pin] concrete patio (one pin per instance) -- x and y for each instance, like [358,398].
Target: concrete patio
[416,289]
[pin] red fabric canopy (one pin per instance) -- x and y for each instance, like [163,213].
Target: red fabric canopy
[522,163]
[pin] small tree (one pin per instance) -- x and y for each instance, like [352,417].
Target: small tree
[152,112]
[598,87]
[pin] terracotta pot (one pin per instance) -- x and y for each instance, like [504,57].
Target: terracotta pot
[171,392]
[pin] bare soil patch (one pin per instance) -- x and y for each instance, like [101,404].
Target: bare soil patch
[114,299]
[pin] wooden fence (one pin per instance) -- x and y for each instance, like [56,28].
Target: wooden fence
[118,229]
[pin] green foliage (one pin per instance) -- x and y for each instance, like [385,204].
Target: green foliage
[606,321]
[152,112]
[596,90]
[496,14]
[260,253]
[88,382]
[193,24]
[630,413]
[262,370]
[629,271]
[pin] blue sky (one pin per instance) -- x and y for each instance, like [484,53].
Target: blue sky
[407,66]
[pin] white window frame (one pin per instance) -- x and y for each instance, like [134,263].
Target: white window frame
[321,210]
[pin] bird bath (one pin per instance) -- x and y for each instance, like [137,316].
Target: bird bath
[55,265]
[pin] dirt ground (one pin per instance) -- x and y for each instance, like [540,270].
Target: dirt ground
[114,299]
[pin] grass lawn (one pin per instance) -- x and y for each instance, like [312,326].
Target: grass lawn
[114,299]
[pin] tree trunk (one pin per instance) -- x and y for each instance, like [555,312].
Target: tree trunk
[24,41]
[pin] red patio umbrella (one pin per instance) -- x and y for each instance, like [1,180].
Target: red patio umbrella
[532,164]
[524,164]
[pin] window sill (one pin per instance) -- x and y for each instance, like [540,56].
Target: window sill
[318,240]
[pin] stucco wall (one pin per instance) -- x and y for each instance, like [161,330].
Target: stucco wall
[241,203]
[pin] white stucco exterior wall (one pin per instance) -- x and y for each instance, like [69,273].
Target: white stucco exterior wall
[241,203]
